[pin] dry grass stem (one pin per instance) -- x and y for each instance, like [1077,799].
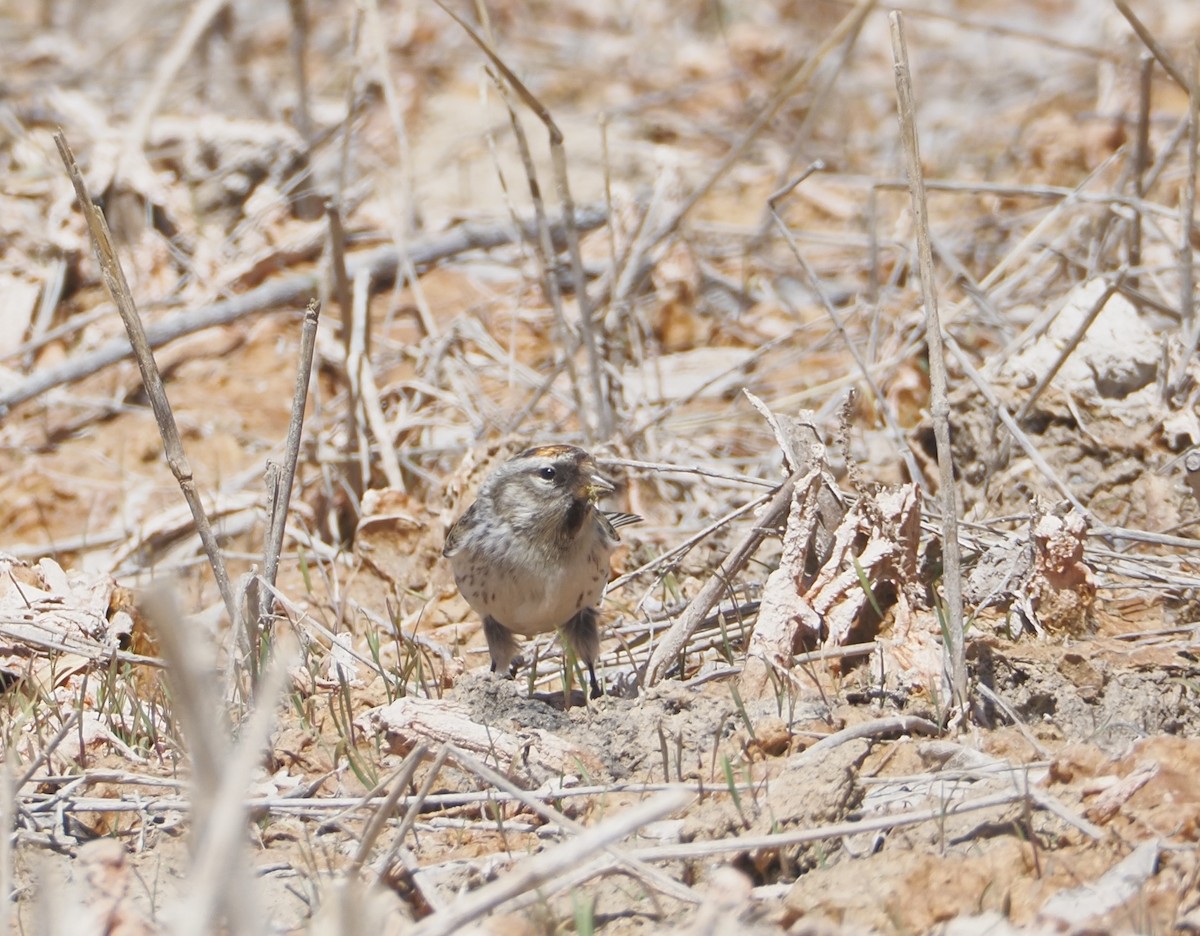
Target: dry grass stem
[895,724]
[939,402]
[298,48]
[601,406]
[291,290]
[118,288]
[1072,343]
[282,479]
[1156,48]
[1187,215]
[383,812]
[877,395]
[675,639]
[645,873]
[544,868]
[695,851]
[199,19]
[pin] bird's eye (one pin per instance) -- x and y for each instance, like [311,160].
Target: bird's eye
[547,473]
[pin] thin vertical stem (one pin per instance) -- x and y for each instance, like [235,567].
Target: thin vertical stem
[1141,155]
[1187,223]
[939,403]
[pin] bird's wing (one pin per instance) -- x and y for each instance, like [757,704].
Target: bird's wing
[617,520]
[454,538]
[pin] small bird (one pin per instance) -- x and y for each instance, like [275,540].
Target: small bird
[531,554]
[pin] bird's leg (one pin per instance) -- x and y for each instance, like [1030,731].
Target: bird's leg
[501,646]
[582,632]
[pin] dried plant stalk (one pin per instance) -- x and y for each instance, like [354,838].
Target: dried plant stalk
[939,404]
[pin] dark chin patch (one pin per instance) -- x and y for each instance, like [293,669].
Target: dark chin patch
[576,514]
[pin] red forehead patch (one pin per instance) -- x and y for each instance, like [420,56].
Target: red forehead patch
[552,451]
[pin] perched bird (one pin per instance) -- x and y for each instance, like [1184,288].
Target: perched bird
[531,554]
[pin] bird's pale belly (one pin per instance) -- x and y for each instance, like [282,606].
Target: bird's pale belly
[529,605]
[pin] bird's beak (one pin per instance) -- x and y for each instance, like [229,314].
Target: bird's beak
[597,486]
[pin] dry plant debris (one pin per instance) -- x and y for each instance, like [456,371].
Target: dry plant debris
[679,234]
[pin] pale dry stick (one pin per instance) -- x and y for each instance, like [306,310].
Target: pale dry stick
[939,402]
[1141,150]
[303,621]
[118,288]
[1012,715]
[433,647]
[558,158]
[352,104]
[1062,193]
[994,767]
[695,851]
[1067,197]
[297,49]
[548,286]
[415,804]
[471,330]
[7,827]
[1031,450]
[664,468]
[1145,536]
[545,258]
[691,541]
[219,835]
[91,652]
[358,444]
[1034,237]
[341,278]
[371,799]
[1187,216]
[199,19]
[1070,346]
[382,262]
[634,264]
[280,495]
[365,392]
[892,724]
[329,807]
[1166,153]
[614,269]
[544,867]
[44,754]
[967,282]
[377,38]
[73,325]
[1060,809]
[796,77]
[197,706]
[756,355]
[542,251]
[646,873]
[1155,47]
[800,659]
[1138,297]
[677,635]
[1168,573]
[52,291]
[397,849]
[800,133]
[94,776]
[406,219]
[1010,31]
[715,632]
[400,779]
[881,404]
